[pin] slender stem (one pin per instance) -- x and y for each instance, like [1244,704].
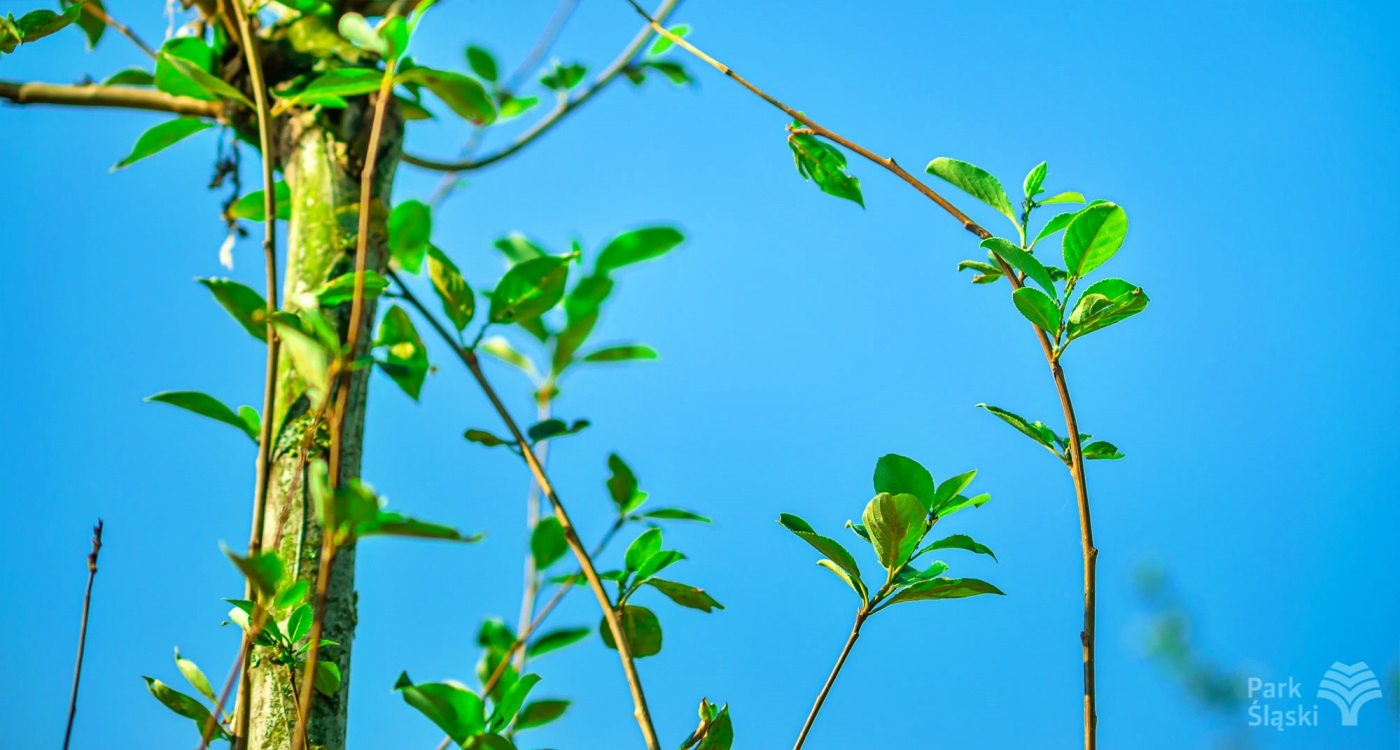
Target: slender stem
[101,14]
[831,679]
[1076,460]
[121,97]
[264,460]
[590,573]
[532,518]
[564,107]
[342,395]
[82,630]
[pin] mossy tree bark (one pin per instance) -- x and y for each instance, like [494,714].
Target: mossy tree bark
[322,156]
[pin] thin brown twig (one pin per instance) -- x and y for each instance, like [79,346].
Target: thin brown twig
[82,630]
[100,13]
[563,108]
[624,652]
[121,97]
[831,679]
[1076,459]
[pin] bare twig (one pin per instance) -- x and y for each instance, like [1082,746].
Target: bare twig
[831,679]
[100,13]
[82,630]
[1076,459]
[121,97]
[560,110]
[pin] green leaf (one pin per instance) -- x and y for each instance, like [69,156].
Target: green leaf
[636,246]
[292,595]
[242,302]
[500,348]
[485,438]
[515,106]
[674,71]
[547,543]
[252,208]
[341,289]
[562,77]
[129,76]
[959,502]
[895,524]
[1036,431]
[685,595]
[299,623]
[462,94]
[518,248]
[974,181]
[555,640]
[1022,260]
[510,704]
[172,80]
[1038,308]
[309,357]
[673,514]
[895,474]
[406,359]
[1055,224]
[358,32]
[1066,197]
[622,485]
[951,487]
[183,705]
[37,24]
[646,544]
[386,523]
[451,706]
[944,588]
[161,137]
[410,228]
[327,679]
[330,89]
[199,74]
[1093,236]
[658,562]
[539,713]
[1104,303]
[959,541]
[825,165]
[458,301]
[394,31]
[263,570]
[1034,180]
[482,63]
[206,406]
[640,626]
[664,43]
[195,677]
[1101,450]
[627,353]
[530,288]
[829,547]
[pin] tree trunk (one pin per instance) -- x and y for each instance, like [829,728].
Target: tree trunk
[322,157]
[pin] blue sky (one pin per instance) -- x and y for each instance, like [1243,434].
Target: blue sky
[802,338]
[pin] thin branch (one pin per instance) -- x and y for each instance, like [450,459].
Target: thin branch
[82,630]
[98,12]
[831,679]
[1090,553]
[590,573]
[120,97]
[532,518]
[560,110]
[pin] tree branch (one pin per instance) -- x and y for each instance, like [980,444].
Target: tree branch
[82,630]
[831,679]
[563,108]
[101,14]
[120,97]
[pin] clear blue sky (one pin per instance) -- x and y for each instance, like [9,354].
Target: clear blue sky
[1253,146]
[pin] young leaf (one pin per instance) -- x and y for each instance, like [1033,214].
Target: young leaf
[673,514]
[663,43]
[641,628]
[327,679]
[358,32]
[500,348]
[170,79]
[974,181]
[539,713]
[646,544]
[183,705]
[1094,236]
[562,77]
[129,76]
[895,474]
[1066,197]
[485,438]
[406,360]
[553,428]
[206,406]
[194,676]
[1022,260]
[263,570]
[555,640]
[1034,180]
[330,89]
[385,523]
[162,137]
[456,295]
[515,106]
[959,541]
[509,705]
[825,165]
[309,357]
[1101,450]
[482,63]
[622,486]
[252,206]
[547,543]
[37,24]
[341,289]
[951,487]
[1055,224]
[530,288]
[410,228]
[658,562]
[944,588]
[394,31]
[1104,303]
[636,246]
[518,248]
[1038,309]
[455,709]
[1036,431]
[684,595]
[464,95]
[627,353]
[829,547]
[217,87]
[895,524]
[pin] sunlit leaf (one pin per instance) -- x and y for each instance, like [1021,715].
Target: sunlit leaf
[206,406]
[161,137]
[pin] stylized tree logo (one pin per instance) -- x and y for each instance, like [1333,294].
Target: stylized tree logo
[1350,687]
